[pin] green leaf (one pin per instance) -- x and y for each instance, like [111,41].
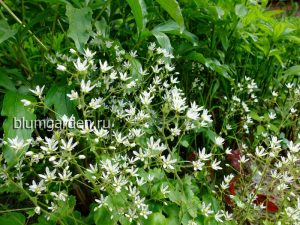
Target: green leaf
[15,111]
[163,40]
[5,31]
[156,219]
[173,28]
[294,70]
[173,8]
[102,216]
[12,218]
[255,116]
[57,97]
[139,12]
[6,82]
[197,57]
[241,10]
[80,25]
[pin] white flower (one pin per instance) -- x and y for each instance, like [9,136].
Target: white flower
[193,112]
[38,91]
[81,157]
[145,211]
[198,165]
[61,67]
[203,156]
[95,103]
[26,102]
[169,67]
[37,188]
[17,143]
[86,87]
[205,209]
[131,215]
[49,176]
[73,95]
[218,217]
[272,115]
[215,165]
[37,210]
[102,202]
[167,162]
[146,98]
[88,53]
[293,147]
[104,66]
[72,51]
[164,189]
[65,176]
[219,141]
[80,66]
[260,151]
[155,69]
[69,146]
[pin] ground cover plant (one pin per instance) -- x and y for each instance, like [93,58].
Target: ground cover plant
[147,112]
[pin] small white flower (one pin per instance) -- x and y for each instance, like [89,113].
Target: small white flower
[104,66]
[72,51]
[102,202]
[219,141]
[69,146]
[202,155]
[164,189]
[146,98]
[167,162]
[206,209]
[88,53]
[80,66]
[49,176]
[38,91]
[198,165]
[86,87]
[215,165]
[17,143]
[61,67]
[272,115]
[37,188]
[37,210]
[26,102]
[81,157]
[73,95]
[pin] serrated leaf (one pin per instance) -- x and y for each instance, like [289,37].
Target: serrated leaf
[5,31]
[80,25]
[139,11]
[14,110]
[57,97]
[173,9]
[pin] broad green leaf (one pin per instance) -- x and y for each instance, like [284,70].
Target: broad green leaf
[80,25]
[15,111]
[255,116]
[156,219]
[12,218]
[173,8]
[163,40]
[197,57]
[139,11]
[294,70]
[5,31]
[102,216]
[57,97]
[241,10]
[173,28]
[6,82]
